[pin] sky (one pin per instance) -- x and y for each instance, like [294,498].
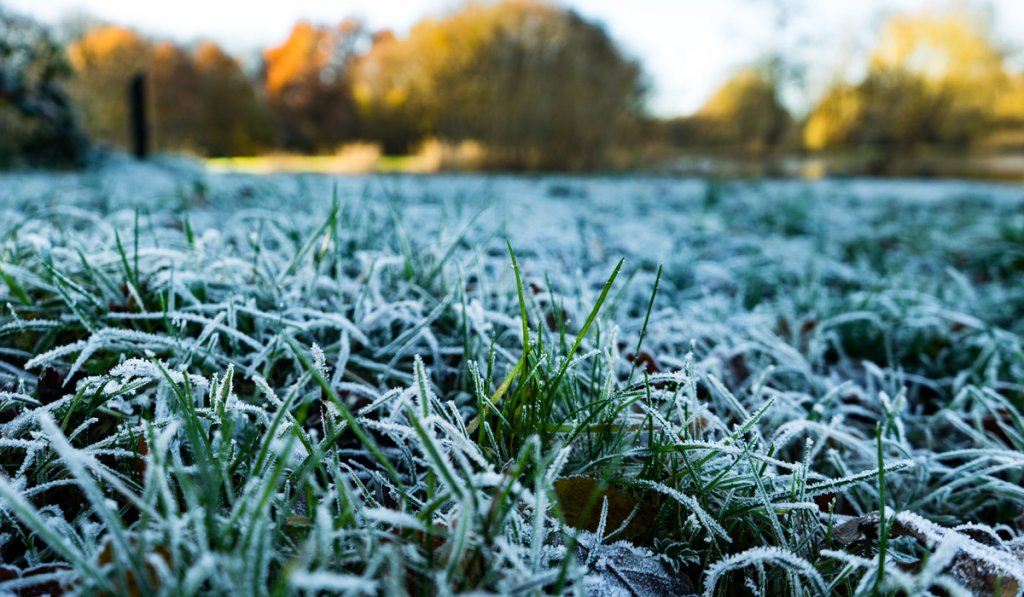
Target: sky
[687,47]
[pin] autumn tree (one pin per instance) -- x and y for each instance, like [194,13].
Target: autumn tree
[308,84]
[538,85]
[1009,107]
[745,112]
[232,120]
[392,94]
[933,78]
[174,114]
[200,102]
[104,61]
[837,118]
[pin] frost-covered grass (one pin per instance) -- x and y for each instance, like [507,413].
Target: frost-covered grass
[230,384]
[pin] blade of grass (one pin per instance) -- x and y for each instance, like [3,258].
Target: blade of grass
[15,288]
[348,417]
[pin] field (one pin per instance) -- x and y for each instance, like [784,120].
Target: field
[235,384]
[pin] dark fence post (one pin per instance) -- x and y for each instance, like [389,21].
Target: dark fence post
[140,128]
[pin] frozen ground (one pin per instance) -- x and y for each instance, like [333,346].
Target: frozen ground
[302,383]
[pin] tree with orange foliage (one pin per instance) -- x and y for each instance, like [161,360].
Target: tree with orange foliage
[308,85]
[104,61]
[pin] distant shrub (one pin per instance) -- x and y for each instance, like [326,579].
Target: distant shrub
[745,112]
[37,119]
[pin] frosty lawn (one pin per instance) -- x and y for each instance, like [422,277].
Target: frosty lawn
[226,384]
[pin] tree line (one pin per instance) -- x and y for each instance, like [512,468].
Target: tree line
[535,85]
[934,79]
[539,86]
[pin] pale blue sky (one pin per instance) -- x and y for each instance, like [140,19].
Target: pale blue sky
[688,47]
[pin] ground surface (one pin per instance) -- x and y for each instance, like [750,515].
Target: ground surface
[301,383]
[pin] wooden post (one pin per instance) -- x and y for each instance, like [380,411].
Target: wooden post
[139,126]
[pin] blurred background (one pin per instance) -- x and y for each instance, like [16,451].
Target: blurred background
[732,88]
